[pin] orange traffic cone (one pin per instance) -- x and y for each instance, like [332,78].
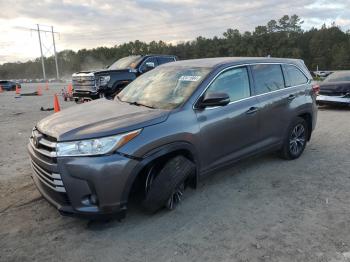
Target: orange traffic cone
[18,91]
[1,90]
[40,93]
[47,86]
[56,104]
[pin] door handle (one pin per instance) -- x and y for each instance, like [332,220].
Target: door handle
[291,97]
[252,110]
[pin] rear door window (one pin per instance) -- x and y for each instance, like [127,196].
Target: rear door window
[268,77]
[164,60]
[234,82]
[294,76]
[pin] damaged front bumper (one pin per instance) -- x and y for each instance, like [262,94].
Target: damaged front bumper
[333,100]
[90,187]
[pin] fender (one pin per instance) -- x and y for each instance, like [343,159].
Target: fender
[120,83]
[117,77]
[154,154]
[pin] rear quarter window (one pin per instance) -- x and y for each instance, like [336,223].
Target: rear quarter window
[294,76]
[267,77]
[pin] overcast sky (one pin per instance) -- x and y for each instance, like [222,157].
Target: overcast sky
[93,23]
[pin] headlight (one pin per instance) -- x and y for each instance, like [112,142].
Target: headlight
[104,80]
[98,146]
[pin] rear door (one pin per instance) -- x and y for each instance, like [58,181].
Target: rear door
[276,101]
[228,132]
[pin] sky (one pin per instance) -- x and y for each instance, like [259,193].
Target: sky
[93,23]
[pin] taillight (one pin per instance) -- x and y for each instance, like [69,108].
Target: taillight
[316,89]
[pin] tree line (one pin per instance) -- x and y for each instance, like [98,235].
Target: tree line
[327,47]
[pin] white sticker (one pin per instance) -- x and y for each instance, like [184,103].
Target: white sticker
[189,78]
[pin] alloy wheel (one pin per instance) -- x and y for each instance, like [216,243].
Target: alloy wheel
[297,139]
[175,197]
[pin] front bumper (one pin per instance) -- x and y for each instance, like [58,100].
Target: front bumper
[332,100]
[93,187]
[86,94]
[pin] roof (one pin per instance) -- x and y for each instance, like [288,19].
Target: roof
[147,55]
[218,61]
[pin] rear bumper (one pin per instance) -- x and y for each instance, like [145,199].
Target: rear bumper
[332,100]
[94,187]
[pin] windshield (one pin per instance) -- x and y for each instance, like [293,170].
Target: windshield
[338,77]
[164,87]
[125,63]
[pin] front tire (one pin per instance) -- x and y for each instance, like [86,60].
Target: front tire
[165,187]
[295,140]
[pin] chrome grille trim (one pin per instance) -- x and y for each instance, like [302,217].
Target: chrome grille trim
[50,154]
[51,175]
[49,149]
[48,143]
[44,177]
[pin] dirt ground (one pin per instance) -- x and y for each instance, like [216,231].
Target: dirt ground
[262,209]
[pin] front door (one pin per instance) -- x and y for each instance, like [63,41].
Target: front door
[231,131]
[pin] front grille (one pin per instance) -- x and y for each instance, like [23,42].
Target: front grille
[86,83]
[51,180]
[58,197]
[44,145]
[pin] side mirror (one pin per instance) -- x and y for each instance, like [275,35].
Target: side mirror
[214,99]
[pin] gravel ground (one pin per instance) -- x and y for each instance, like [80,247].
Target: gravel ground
[262,209]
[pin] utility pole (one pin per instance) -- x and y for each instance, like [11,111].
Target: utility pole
[41,51]
[54,48]
[47,49]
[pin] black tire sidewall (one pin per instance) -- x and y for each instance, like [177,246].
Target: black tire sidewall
[175,171]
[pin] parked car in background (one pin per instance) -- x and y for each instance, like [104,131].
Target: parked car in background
[335,89]
[9,85]
[322,74]
[109,82]
[168,129]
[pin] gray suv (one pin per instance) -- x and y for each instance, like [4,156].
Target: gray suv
[168,129]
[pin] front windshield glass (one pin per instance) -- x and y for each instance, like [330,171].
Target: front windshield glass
[338,77]
[163,87]
[125,63]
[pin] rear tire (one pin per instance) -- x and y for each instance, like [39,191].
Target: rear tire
[295,140]
[167,185]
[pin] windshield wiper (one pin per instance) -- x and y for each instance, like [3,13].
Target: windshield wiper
[139,104]
[135,103]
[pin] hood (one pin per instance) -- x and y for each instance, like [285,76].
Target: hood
[99,118]
[84,73]
[339,88]
[103,71]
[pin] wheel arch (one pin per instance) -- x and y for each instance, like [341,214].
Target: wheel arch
[308,118]
[161,154]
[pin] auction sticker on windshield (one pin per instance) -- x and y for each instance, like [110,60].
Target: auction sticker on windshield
[189,78]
